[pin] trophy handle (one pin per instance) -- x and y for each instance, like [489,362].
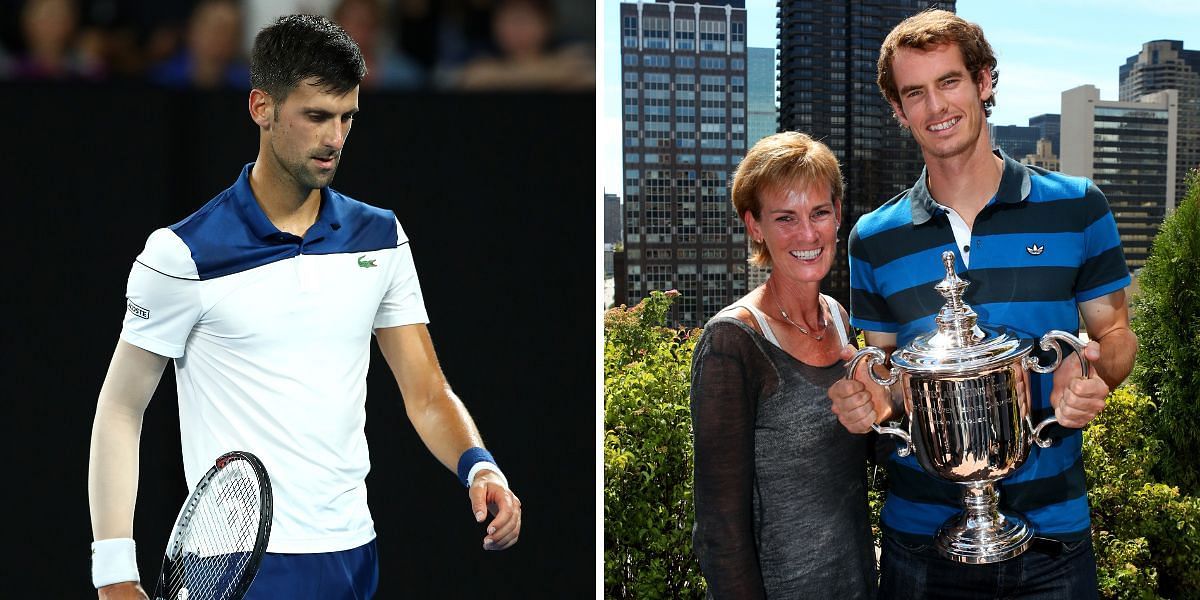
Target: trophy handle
[875,356]
[1032,363]
[1037,431]
[904,450]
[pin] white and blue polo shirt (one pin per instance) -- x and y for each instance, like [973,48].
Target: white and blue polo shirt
[1045,243]
[271,338]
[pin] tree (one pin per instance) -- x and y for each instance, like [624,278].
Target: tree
[648,510]
[1167,322]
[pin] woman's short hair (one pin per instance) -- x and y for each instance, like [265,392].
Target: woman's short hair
[937,28]
[790,159]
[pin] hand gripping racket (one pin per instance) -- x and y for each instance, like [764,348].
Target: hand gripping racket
[221,533]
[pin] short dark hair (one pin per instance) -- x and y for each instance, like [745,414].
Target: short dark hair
[297,47]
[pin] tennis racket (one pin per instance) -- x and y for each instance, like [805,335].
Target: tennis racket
[221,533]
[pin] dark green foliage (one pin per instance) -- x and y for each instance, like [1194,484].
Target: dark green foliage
[648,509]
[1166,318]
[1146,534]
[876,480]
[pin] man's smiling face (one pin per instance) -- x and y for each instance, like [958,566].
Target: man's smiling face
[939,101]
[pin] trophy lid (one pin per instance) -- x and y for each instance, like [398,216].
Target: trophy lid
[959,345]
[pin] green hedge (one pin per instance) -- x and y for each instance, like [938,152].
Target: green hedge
[648,455]
[1166,318]
[1146,533]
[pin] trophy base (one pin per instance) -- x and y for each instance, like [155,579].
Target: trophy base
[965,538]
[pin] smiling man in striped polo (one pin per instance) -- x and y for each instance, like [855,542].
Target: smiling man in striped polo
[1039,249]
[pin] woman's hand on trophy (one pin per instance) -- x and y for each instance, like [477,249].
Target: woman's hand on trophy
[859,402]
[1077,400]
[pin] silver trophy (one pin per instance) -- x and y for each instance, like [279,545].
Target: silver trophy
[966,395]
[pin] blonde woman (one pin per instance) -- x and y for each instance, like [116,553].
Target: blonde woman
[780,485]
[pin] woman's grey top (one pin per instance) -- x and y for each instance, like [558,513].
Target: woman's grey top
[780,485]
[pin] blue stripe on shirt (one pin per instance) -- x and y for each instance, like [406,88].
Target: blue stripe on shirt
[1048,462]
[1052,186]
[913,270]
[1100,236]
[1071,516]
[1057,250]
[914,518]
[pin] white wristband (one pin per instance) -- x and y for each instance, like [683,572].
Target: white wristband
[114,561]
[479,466]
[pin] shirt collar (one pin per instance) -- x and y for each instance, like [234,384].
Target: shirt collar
[329,217]
[1014,188]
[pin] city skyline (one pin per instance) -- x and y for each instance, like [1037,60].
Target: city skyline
[1038,56]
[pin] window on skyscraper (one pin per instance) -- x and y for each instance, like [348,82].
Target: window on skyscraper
[655,32]
[629,34]
[685,34]
[737,37]
[656,60]
[712,36]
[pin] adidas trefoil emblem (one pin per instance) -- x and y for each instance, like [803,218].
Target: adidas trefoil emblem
[1035,249]
[366,263]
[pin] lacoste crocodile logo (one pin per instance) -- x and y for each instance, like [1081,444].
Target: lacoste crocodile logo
[365,263]
[1035,249]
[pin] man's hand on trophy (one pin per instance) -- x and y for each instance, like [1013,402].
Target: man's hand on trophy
[1022,376]
[860,402]
[1077,400]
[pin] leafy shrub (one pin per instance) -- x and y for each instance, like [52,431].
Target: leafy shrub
[648,510]
[1166,318]
[1146,534]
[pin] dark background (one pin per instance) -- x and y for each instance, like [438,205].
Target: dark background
[496,194]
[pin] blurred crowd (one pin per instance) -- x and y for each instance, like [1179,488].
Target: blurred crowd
[205,44]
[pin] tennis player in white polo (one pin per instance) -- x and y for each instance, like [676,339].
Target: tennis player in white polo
[266,299]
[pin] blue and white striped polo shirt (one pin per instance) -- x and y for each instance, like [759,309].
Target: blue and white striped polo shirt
[1043,244]
[271,336]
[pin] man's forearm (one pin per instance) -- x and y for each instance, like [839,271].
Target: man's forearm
[445,427]
[1118,348]
[435,412]
[113,471]
[133,376]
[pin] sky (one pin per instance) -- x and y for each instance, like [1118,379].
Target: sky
[1042,48]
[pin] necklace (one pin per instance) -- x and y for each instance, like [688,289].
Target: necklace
[824,325]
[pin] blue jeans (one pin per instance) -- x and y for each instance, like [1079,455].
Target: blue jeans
[919,572]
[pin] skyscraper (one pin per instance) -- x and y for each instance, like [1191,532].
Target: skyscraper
[612,219]
[1163,65]
[612,230]
[684,117]
[827,56]
[1015,140]
[1048,126]
[1121,146]
[760,95]
[763,121]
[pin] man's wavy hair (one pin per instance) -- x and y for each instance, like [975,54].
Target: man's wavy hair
[931,28]
[298,47]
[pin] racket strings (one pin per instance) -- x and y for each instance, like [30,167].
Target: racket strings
[222,529]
